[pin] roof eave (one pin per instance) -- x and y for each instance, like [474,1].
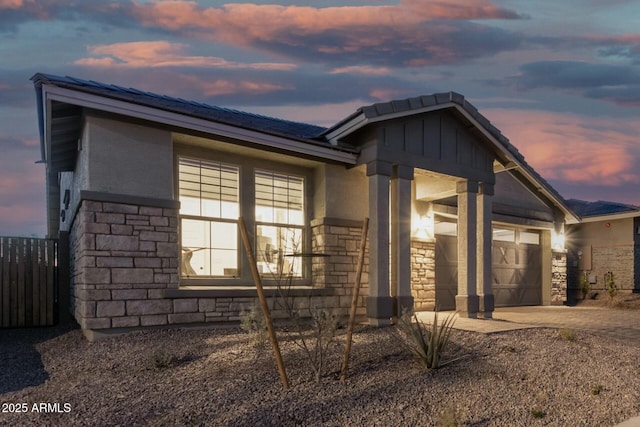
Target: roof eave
[610,217]
[112,105]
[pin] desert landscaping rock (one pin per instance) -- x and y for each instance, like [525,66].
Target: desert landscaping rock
[216,377]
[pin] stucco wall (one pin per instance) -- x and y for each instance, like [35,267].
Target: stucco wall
[341,192]
[605,246]
[128,159]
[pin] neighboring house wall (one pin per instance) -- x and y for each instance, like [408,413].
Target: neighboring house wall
[605,246]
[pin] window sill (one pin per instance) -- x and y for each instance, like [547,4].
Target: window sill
[241,291]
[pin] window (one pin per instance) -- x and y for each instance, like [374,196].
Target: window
[209,211]
[279,214]
[504,235]
[529,238]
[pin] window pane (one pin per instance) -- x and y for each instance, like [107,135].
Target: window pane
[208,189]
[279,198]
[503,235]
[529,237]
[274,247]
[446,228]
[209,248]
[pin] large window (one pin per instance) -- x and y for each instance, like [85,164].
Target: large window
[279,214]
[209,211]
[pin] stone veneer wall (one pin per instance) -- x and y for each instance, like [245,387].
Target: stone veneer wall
[423,274]
[340,241]
[123,257]
[124,271]
[558,278]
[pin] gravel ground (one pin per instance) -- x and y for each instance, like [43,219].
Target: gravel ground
[217,377]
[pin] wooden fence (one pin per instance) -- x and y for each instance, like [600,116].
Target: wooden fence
[28,282]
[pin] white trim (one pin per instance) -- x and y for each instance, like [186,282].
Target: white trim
[611,217]
[54,93]
[361,120]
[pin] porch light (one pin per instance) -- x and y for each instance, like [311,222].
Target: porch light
[557,241]
[425,227]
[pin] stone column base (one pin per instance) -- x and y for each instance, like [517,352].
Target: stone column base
[380,310]
[467,306]
[487,305]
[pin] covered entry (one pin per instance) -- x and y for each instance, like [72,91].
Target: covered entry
[516,268]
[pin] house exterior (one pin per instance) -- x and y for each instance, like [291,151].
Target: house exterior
[607,239]
[148,190]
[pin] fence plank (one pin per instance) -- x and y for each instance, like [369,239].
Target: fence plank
[51,257]
[6,301]
[13,284]
[35,284]
[21,282]
[1,282]
[28,282]
[43,283]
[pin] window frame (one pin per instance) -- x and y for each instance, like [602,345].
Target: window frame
[210,219]
[247,165]
[275,276]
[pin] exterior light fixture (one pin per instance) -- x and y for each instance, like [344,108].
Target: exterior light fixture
[425,228]
[557,241]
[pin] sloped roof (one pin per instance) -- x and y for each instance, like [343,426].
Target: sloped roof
[439,101]
[243,119]
[601,208]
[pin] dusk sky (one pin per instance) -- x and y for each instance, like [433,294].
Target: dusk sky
[560,78]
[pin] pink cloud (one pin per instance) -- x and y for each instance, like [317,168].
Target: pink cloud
[163,54]
[236,22]
[11,4]
[363,69]
[572,148]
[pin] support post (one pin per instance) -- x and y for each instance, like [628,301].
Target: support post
[401,239]
[379,301]
[467,301]
[483,255]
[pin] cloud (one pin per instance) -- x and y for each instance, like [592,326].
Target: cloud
[150,54]
[572,149]
[619,84]
[362,69]
[413,33]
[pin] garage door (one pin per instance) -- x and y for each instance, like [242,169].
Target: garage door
[516,267]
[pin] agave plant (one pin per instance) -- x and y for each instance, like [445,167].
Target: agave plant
[427,342]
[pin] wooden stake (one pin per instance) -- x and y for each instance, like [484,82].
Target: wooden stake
[354,299]
[263,303]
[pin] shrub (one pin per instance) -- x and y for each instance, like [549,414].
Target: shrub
[610,284]
[160,359]
[585,287]
[538,413]
[597,389]
[253,323]
[311,328]
[567,334]
[425,342]
[448,418]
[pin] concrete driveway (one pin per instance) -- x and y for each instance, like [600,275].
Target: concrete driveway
[621,324]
